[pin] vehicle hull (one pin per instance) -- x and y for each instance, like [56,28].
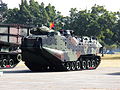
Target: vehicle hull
[42,60]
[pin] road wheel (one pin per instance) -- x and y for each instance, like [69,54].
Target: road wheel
[89,64]
[93,64]
[68,66]
[19,57]
[73,66]
[84,65]
[11,63]
[78,65]
[0,63]
[97,61]
[4,63]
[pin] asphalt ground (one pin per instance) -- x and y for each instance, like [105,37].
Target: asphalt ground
[105,77]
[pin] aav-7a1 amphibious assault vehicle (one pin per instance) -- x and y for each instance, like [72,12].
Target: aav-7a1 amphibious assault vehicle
[49,50]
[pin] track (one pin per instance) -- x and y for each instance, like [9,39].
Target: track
[105,77]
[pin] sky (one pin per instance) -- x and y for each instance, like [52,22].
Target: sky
[64,5]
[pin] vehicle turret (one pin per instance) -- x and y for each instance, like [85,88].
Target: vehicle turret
[41,30]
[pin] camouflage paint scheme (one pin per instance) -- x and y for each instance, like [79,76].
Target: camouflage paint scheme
[60,44]
[68,48]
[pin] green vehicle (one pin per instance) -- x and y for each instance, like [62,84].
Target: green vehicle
[50,50]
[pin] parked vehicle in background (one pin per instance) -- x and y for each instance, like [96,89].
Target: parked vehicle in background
[10,41]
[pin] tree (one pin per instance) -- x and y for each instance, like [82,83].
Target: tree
[43,15]
[24,14]
[97,21]
[12,15]
[3,10]
[51,12]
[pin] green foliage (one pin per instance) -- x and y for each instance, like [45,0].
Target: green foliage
[110,47]
[97,21]
[12,14]
[3,10]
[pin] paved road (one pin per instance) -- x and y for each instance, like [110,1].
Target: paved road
[21,78]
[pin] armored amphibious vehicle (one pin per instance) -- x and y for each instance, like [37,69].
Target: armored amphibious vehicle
[49,50]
